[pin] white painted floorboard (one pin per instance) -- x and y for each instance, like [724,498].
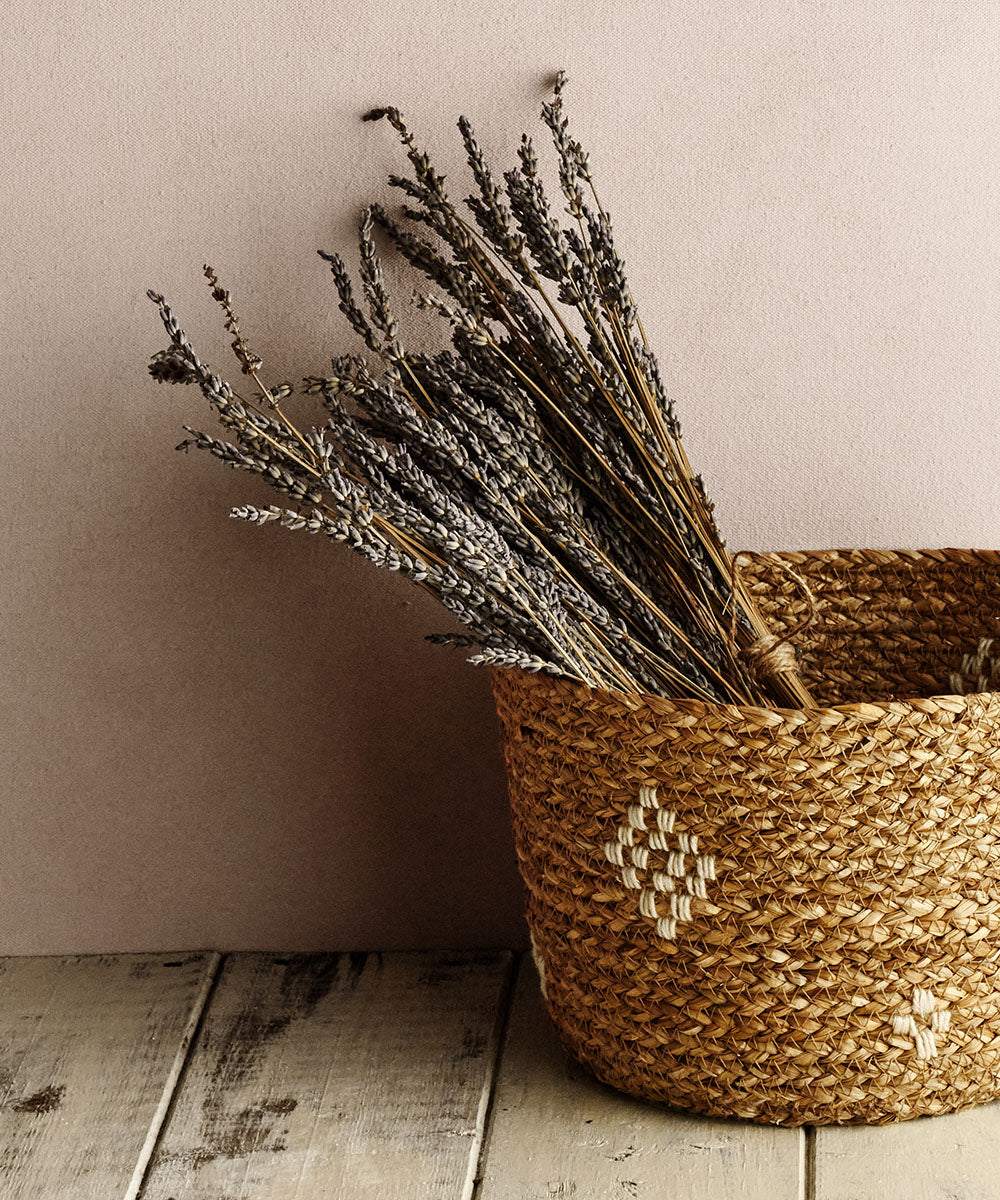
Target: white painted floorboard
[90,1052]
[932,1158]
[337,1077]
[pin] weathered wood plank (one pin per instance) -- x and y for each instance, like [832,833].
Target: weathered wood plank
[347,1076]
[90,1051]
[556,1132]
[932,1158]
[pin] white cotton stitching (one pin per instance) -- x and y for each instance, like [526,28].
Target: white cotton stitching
[922,1023]
[665,874]
[637,816]
[665,820]
[923,1001]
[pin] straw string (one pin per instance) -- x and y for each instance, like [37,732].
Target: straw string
[771,654]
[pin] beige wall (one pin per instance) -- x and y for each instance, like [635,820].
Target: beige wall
[217,735]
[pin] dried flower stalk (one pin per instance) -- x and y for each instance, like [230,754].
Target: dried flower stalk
[532,475]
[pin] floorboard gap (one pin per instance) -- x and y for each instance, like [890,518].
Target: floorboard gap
[478,1157]
[174,1081]
[809,1164]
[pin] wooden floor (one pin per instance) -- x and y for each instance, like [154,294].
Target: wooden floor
[195,1077]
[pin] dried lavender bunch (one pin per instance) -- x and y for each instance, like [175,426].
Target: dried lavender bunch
[532,475]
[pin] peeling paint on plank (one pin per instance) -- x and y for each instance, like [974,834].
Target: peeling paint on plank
[248,1131]
[318,1068]
[46,1100]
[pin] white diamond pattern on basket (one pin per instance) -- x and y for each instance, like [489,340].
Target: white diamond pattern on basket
[662,864]
[923,1023]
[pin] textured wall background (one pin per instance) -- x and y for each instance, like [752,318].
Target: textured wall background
[217,735]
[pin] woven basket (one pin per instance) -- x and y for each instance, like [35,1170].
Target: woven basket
[787,916]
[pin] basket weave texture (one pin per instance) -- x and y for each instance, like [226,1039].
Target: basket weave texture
[781,915]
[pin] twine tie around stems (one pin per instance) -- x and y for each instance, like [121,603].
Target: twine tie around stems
[770,654]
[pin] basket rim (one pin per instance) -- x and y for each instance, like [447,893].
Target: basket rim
[885,557]
[856,710]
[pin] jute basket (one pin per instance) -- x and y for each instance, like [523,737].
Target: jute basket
[787,916]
